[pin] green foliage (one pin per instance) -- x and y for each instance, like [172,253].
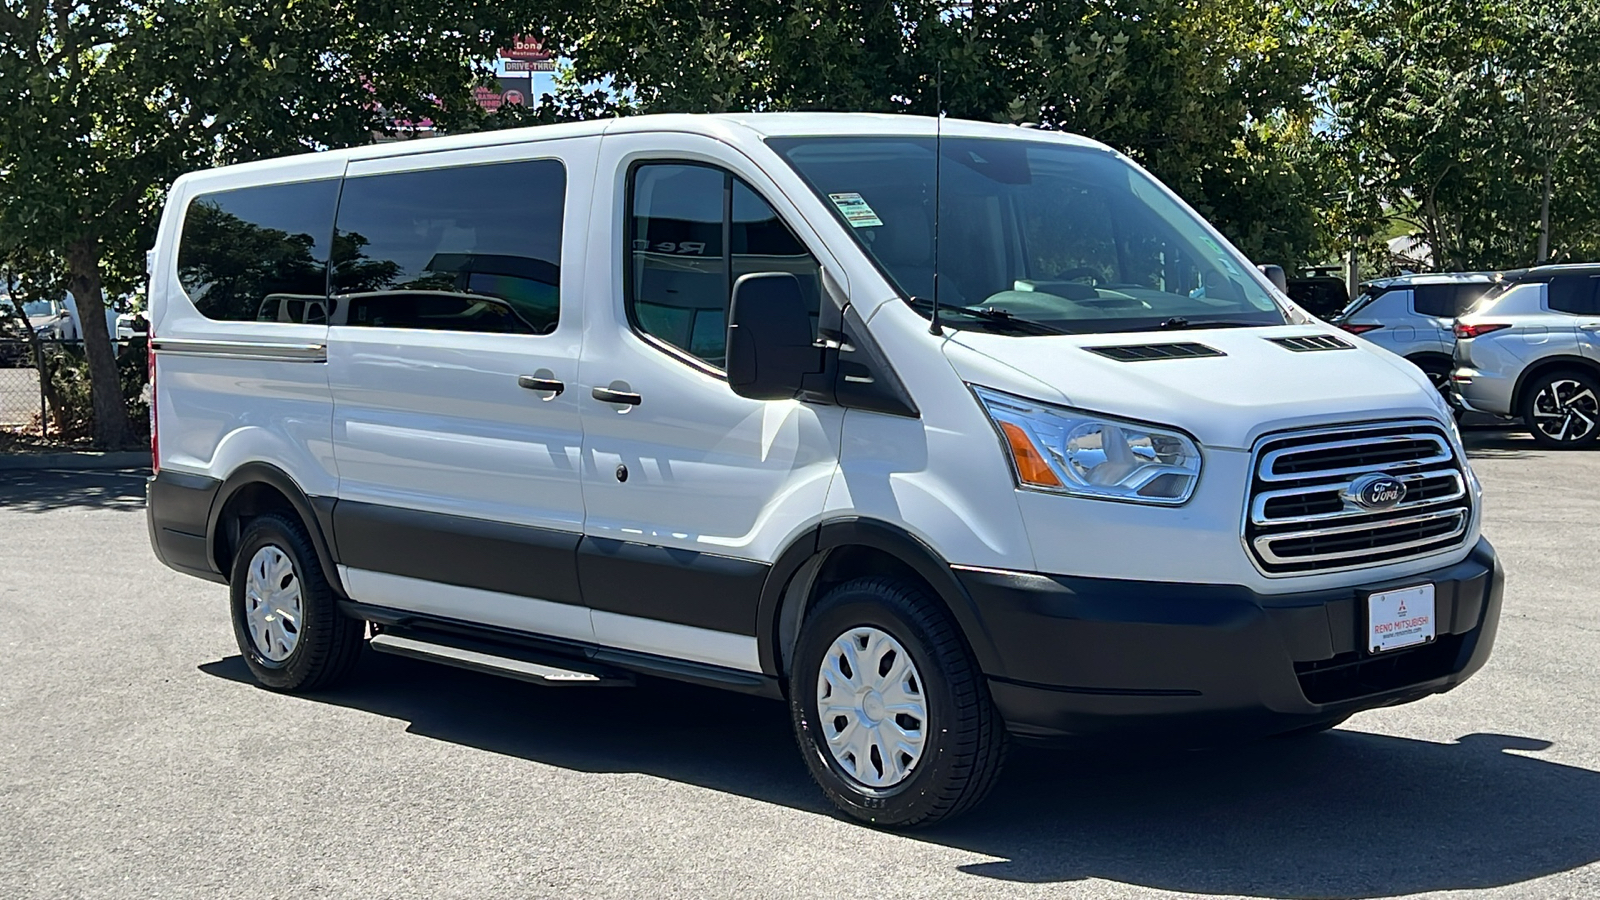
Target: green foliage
[1209,94]
[1464,116]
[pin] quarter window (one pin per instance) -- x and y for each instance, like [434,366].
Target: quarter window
[693,230]
[1447,301]
[1575,294]
[259,253]
[470,248]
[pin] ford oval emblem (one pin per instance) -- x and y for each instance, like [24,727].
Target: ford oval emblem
[1376,491]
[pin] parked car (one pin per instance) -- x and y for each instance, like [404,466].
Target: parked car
[695,396]
[1531,349]
[1324,296]
[1414,316]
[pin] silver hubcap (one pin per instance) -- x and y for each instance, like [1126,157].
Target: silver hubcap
[1566,410]
[871,707]
[272,604]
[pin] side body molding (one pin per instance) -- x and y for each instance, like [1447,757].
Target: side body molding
[788,587]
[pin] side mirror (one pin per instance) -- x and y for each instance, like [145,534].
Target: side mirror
[770,344]
[1275,275]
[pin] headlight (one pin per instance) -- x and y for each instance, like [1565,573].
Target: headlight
[1065,451]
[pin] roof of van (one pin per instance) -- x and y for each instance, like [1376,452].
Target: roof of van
[733,128]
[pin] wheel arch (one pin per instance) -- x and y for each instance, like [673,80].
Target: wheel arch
[257,487]
[1544,366]
[840,549]
[1431,356]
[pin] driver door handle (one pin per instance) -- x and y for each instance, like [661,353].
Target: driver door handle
[607,395]
[540,384]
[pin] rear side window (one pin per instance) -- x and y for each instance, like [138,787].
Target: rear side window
[694,230]
[1575,294]
[259,253]
[1447,301]
[470,248]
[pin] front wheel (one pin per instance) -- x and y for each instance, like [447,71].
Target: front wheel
[1562,409]
[893,717]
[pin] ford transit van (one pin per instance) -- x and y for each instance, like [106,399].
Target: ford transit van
[946,434]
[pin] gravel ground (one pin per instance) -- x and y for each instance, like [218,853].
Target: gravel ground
[137,760]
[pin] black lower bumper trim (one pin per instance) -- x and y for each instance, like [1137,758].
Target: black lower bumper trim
[177,508]
[1103,657]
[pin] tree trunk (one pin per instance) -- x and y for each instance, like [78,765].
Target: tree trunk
[112,429]
[1544,218]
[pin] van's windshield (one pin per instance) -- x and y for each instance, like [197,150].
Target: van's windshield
[1064,238]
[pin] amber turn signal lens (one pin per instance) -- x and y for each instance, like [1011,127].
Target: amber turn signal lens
[1031,467]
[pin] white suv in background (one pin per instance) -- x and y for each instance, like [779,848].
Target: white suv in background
[1531,348]
[1414,316]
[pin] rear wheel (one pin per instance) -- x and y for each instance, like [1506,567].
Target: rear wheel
[1562,409]
[1437,370]
[893,717]
[285,617]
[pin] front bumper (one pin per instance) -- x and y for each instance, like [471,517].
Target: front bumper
[1085,657]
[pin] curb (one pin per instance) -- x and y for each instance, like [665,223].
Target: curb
[80,459]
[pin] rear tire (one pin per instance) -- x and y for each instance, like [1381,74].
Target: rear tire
[1562,409]
[1437,370]
[907,742]
[285,616]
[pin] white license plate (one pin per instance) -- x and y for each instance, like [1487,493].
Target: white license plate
[1400,618]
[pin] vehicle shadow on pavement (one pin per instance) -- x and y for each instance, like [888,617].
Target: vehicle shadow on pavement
[1342,814]
[43,490]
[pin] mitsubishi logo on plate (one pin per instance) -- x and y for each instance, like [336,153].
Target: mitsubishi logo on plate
[1375,491]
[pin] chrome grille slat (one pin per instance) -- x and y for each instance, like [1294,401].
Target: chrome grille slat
[1268,470]
[1299,521]
[1258,511]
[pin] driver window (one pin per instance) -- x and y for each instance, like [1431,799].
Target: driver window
[693,230]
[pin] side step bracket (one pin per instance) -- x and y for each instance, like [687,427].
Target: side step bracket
[496,660]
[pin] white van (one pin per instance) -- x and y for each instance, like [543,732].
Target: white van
[667,395]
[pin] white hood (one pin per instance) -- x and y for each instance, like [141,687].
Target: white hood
[1224,401]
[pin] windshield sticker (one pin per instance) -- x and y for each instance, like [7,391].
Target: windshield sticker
[855,210]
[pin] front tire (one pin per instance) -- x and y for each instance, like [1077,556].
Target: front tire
[1562,409]
[285,616]
[893,718]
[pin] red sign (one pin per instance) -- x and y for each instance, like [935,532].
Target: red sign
[529,48]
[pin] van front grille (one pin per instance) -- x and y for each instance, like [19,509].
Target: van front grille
[1303,518]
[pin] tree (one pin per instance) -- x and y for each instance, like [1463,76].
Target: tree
[1467,118]
[1209,94]
[104,102]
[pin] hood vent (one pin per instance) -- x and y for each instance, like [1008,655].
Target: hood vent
[1143,352]
[1313,342]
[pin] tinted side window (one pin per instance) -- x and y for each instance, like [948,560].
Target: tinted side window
[1467,296]
[1437,300]
[693,230]
[259,253]
[1574,294]
[471,248]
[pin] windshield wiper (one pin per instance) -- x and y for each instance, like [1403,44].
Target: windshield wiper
[1179,322]
[988,315]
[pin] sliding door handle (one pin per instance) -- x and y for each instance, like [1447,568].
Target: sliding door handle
[1589,326]
[607,395]
[535,383]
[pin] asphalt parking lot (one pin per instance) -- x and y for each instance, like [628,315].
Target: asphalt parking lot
[137,760]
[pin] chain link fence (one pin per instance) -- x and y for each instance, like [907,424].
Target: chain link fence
[58,405]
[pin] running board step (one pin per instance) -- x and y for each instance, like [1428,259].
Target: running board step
[495,660]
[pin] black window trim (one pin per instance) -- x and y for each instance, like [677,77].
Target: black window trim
[561,247]
[728,176]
